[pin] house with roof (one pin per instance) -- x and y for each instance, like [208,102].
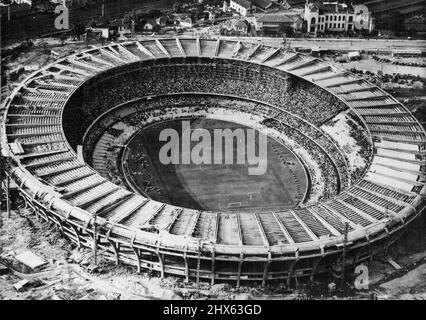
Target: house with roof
[294,3]
[162,21]
[265,6]
[119,27]
[337,17]
[274,23]
[107,29]
[98,27]
[150,25]
[297,23]
[183,20]
[186,22]
[242,27]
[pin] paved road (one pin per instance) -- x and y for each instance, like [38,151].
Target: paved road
[331,43]
[344,44]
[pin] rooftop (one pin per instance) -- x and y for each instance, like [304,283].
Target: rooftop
[241,24]
[331,7]
[244,3]
[275,17]
[416,19]
[264,4]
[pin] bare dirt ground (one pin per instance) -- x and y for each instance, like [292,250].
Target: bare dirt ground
[40,54]
[411,285]
[66,276]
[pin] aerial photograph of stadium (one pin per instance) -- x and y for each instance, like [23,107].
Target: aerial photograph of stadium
[213,150]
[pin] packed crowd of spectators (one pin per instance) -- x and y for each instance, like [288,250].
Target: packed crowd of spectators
[330,175]
[240,79]
[297,106]
[328,157]
[358,132]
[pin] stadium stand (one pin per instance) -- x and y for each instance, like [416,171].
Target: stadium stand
[264,246]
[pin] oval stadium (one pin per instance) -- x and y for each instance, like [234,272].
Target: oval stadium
[344,175]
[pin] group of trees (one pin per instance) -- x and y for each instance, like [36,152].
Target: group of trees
[195,10]
[286,30]
[393,21]
[139,18]
[77,31]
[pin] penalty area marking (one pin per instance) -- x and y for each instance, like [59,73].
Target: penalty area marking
[252,196]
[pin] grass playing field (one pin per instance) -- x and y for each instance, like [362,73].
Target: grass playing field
[224,187]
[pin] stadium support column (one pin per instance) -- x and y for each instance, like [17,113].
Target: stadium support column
[8,194]
[345,241]
[136,253]
[291,268]
[240,267]
[198,265]
[95,244]
[213,266]
[115,247]
[1,180]
[185,259]
[5,182]
[160,258]
[76,234]
[314,268]
[421,231]
[265,270]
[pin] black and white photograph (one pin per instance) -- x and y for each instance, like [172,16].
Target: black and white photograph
[207,157]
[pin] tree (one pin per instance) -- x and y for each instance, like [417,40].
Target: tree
[287,30]
[391,21]
[154,13]
[63,37]
[77,31]
[89,36]
[177,7]
[304,26]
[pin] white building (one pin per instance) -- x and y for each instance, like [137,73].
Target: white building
[241,6]
[242,27]
[103,31]
[186,23]
[337,17]
[225,6]
[148,26]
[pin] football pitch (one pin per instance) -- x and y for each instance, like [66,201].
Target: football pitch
[215,187]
